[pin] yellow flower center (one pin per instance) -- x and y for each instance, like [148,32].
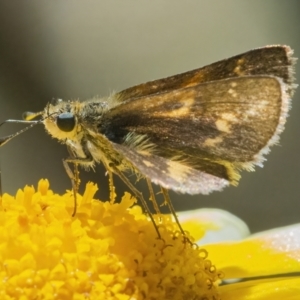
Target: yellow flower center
[107,251]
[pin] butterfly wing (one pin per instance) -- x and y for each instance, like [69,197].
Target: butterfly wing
[171,174]
[230,122]
[271,60]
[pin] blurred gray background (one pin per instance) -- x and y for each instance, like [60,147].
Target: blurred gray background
[79,49]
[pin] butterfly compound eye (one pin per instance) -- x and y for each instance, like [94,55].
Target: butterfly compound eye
[66,122]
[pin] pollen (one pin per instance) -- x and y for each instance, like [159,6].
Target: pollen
[107,251]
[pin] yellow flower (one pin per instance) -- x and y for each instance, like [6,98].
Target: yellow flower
[111,251]
[268,262]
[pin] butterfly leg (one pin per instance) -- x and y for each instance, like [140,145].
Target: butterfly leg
[74,177]
[173,212]
[137,194]
[152,196]
[112,193]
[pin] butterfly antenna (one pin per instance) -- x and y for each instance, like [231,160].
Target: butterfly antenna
[27,119]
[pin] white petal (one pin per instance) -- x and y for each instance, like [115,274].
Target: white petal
[284,239]
[219,225]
